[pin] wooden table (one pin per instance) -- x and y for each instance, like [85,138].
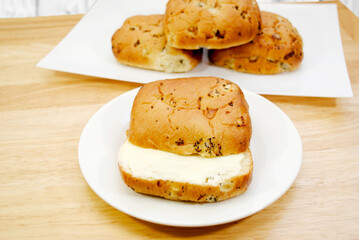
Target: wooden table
[43,194]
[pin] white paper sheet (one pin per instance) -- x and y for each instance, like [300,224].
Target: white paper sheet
[87,50]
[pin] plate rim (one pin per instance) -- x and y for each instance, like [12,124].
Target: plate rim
[183,224]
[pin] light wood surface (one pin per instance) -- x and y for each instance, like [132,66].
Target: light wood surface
[43,194]
[34,8]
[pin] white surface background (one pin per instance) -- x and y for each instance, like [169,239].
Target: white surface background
[32,8]
[87,50]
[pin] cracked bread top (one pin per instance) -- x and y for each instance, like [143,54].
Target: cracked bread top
[199,115]
[277,48]
[214,24]
[140,42]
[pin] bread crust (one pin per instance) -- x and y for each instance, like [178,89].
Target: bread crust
[180,191]
[277,48]
[198,115]
[214,24]
[140,42]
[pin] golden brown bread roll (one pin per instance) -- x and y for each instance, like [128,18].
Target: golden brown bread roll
[277,48]
[214,24]
[200,115]
[188,140]
[140,42]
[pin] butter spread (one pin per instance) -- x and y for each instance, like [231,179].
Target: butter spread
[154,164]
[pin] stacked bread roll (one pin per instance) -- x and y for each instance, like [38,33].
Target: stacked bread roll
[188,140]
[277,48]
[237,34]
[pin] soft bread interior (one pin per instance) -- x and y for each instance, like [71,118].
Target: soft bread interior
[168,62]
[152,164]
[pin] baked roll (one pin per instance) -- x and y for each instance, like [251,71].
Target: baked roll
[214,24]
[188,140]
[140,42]
[277,48]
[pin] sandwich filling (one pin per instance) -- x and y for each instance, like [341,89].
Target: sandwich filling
[153,164]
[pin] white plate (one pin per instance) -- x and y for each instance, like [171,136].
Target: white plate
[87,50]
[277,156]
